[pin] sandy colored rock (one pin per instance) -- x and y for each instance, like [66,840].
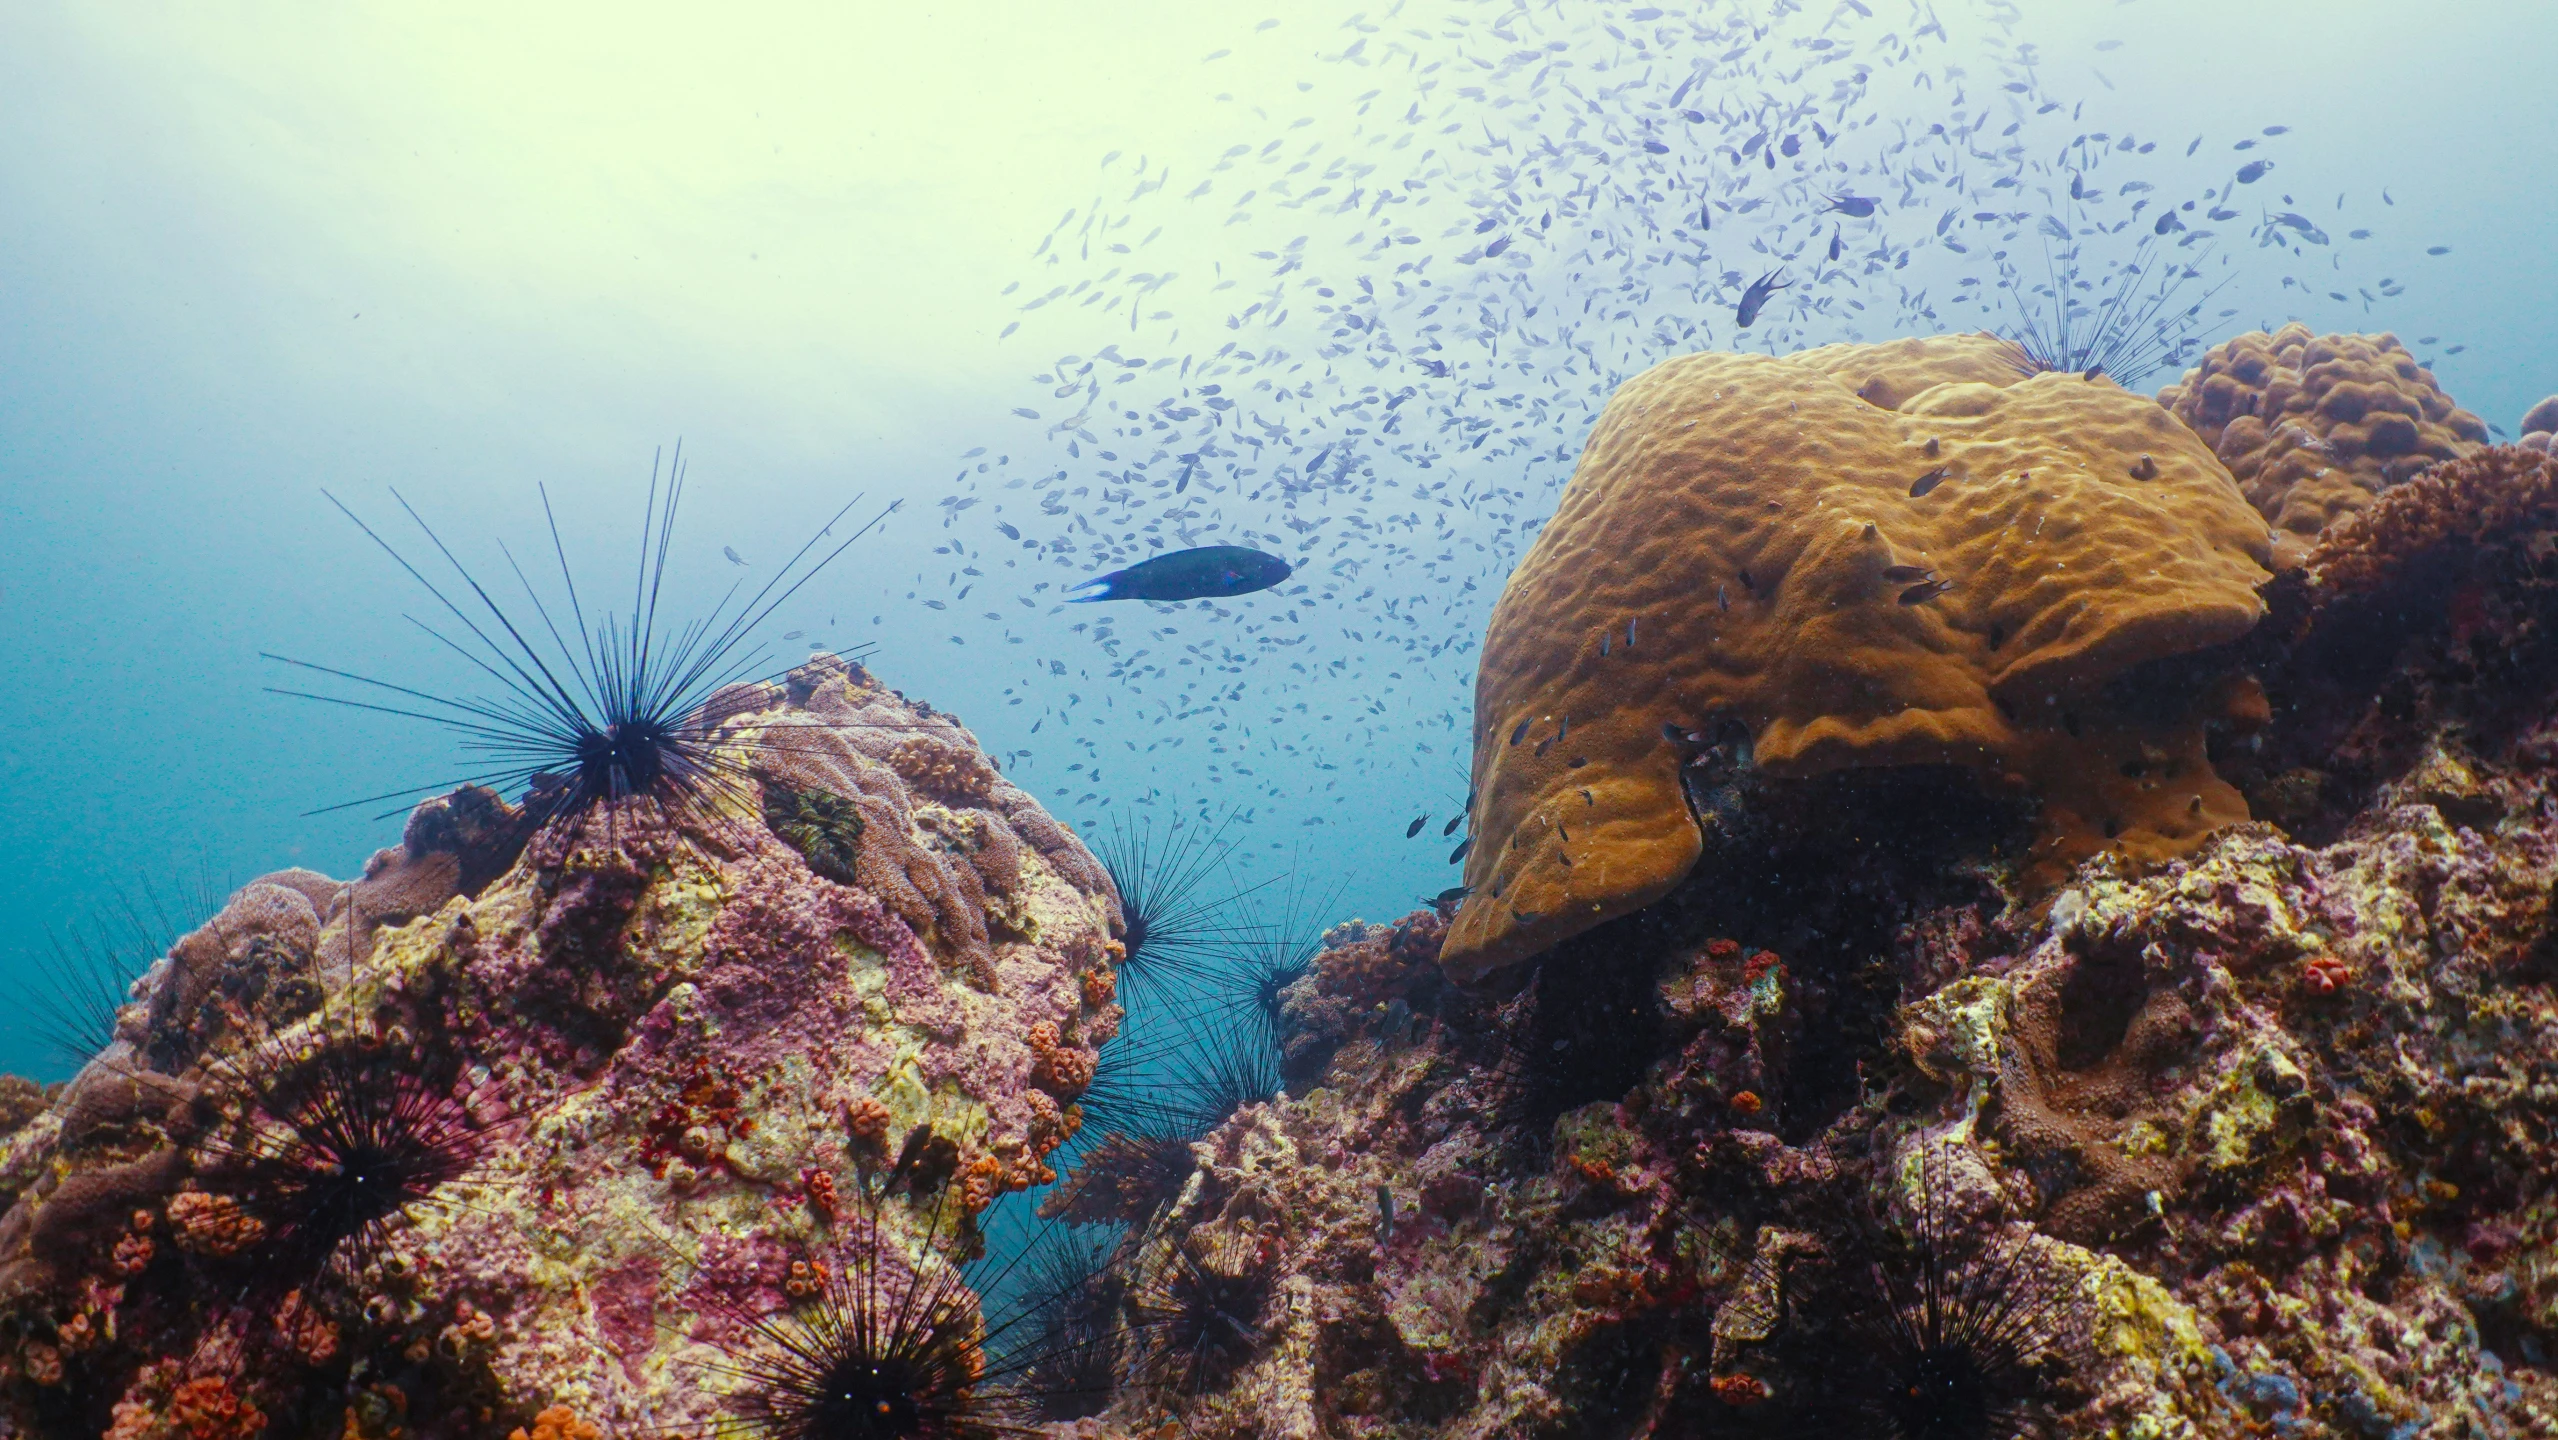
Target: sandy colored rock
[2312,426]
[1741,547]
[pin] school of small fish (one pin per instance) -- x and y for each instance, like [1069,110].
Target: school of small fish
[1386,376]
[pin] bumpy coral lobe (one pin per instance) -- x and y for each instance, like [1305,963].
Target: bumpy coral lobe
[1731,539]
[2313,426]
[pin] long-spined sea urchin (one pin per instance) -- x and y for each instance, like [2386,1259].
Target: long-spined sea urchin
[605,712]
[331,1148]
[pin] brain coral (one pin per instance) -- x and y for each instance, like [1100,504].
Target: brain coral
[679,1052]
[2314,426]
[1951,577]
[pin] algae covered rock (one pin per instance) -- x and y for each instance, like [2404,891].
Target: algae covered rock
[642,1075]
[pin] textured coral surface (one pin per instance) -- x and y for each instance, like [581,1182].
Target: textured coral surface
[2272,1127]
[2314,425]
[1951,577]
[677,1053]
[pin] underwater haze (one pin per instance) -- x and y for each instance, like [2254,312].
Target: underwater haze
[1923,635]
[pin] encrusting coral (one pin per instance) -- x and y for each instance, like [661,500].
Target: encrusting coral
[1850,568]
[2313,426]
[654,1063]
[2418,634]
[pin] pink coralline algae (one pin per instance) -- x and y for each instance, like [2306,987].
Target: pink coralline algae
[679,1056]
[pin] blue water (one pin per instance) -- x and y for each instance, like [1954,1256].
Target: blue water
[249,258]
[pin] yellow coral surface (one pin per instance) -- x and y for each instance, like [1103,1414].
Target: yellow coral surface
[1949,577]
[2312,426]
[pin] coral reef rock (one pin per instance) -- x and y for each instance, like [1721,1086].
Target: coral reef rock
[645,1069]
[2272,1127]
[1897,555]
[2313,426]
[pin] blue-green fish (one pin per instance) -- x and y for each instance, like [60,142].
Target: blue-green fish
[1208,571]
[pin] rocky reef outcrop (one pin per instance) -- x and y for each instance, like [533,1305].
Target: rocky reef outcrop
[1896,1106]
[638,1078]
[2259,1141]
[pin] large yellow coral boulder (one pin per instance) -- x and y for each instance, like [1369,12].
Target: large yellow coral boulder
[1864,570]
[2313,426]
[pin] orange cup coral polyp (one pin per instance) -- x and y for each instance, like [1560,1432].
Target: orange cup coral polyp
[1863,569]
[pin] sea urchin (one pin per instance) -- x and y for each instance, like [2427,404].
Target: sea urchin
[332,1149]
[619,712]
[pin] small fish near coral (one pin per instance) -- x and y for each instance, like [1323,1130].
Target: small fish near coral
[1755,299]
[1207,572]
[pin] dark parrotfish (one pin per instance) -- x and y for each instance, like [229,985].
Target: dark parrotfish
[1210,571]
[1755,299]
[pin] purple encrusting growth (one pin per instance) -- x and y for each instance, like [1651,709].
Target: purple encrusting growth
[686,1050]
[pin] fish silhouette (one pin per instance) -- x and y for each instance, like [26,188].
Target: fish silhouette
[1208,571]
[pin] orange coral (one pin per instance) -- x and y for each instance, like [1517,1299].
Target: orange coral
[1739,1389]
[2313,426]
[212,1225]
[132,1256]
[1056,1066]
[980,1181]
[806,1278]
[305,1331]
[1101,987]
[820,1188]
[558,1423]
[868,1118]
[206,1409]
[1950,582]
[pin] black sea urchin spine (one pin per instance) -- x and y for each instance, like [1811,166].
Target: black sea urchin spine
[588,716]
[2132,328]
[1177,899]
[1957,1339]
[884,1347]
[1199,1317]
[332,1149]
